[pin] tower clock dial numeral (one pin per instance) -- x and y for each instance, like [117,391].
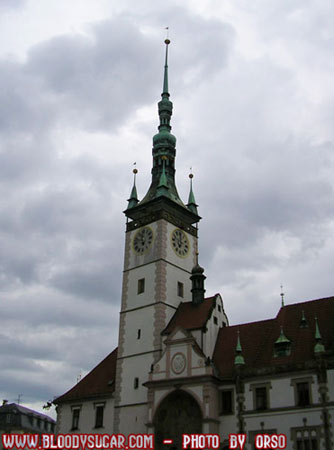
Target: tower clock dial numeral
[180,243]
[142,240]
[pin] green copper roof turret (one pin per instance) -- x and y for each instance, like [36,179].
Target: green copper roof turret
[282,345]
[282,338]
[191,200]
[319,347]
[133,200]
[239,359]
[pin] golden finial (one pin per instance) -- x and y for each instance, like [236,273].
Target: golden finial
[167,41]
[135,171]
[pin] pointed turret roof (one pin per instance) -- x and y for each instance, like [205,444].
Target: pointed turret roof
[191,199]
[239,359]
[319,347]
[133,200]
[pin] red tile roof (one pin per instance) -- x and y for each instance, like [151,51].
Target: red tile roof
[257,338]
[98,382]
[190,316]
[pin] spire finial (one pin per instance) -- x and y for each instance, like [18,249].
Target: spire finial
[135,171]
[165,83]
[282,296]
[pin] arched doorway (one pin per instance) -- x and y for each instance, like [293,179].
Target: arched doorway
[178,414]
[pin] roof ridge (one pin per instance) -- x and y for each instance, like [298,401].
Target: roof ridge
[293,305]
[238,325]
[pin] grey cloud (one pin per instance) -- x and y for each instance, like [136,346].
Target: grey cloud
[87,75]
[11,4]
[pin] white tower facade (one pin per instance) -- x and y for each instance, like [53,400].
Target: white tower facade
[160,252]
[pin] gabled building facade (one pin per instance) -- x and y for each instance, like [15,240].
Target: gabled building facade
[179,366]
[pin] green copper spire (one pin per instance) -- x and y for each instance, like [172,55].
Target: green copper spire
[191,200]
[162,196]
[165,83]
[164,146]
[319,347]
[239,359]
[133,200]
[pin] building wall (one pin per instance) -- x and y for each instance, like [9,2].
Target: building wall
[87,416]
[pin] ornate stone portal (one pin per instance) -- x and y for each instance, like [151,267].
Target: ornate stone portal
[178,414]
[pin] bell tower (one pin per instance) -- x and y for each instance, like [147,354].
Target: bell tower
[160,252]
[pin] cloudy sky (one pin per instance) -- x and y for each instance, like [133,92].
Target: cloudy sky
[253,93]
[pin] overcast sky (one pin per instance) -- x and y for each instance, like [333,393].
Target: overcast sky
[253,93]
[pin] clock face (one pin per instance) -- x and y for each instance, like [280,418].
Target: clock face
[142,240]
[180,243]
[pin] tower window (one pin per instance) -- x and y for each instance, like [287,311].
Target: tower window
[136,383]
[138,334]
[141,286]
[215,320]
[180,289]
[219,308]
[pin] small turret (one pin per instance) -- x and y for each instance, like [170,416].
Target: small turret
[319,347]
[191,200]
[197,282]
[239,359]
[282,345]
[133,200]
[303,322]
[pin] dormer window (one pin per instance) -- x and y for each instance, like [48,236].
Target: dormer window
[282,346]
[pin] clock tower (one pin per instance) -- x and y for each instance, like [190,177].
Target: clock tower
[160,252]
